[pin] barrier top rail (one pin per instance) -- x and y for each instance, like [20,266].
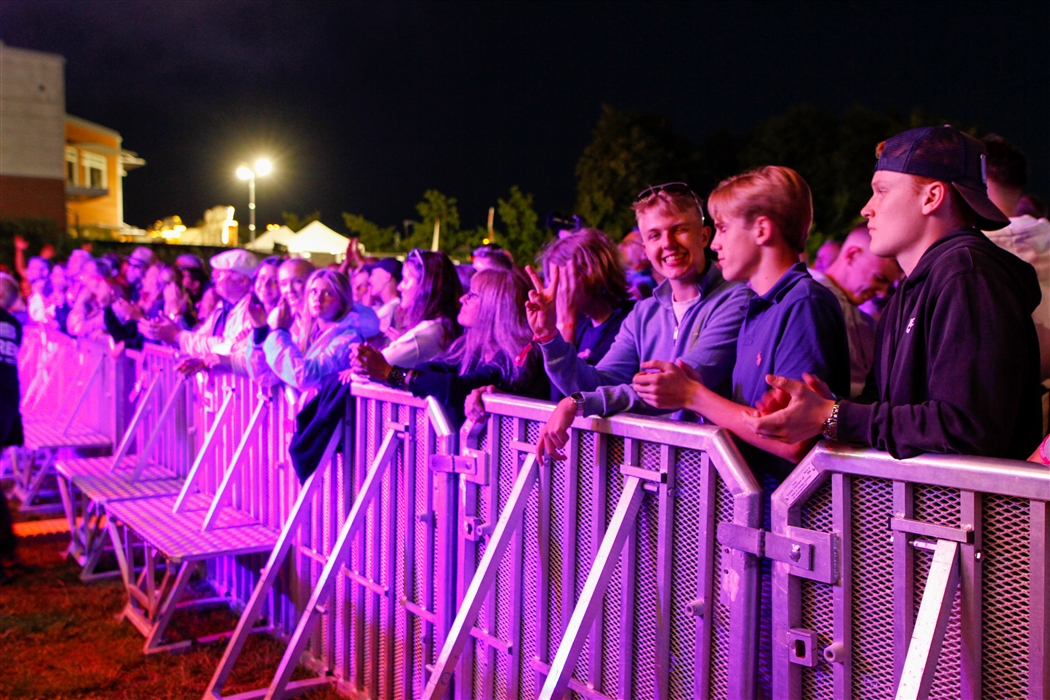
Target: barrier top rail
[984,474]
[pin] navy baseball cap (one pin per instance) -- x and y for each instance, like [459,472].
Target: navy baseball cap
[944,153]
[392,266]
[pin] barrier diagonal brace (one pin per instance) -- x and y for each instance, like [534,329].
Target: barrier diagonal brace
[269,575]
[931,623]
[605,562]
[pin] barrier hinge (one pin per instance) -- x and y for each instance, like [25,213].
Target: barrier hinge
[810,554]
[473,466]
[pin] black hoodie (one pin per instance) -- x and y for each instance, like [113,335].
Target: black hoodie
[956,358]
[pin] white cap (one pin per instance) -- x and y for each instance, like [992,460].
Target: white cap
[237,260]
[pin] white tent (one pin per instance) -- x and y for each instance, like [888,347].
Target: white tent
[317,239]
[266,242]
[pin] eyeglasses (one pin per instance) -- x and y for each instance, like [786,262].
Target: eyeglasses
[679,188]
[471,295]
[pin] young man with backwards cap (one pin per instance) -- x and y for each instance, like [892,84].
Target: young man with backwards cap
[956,358]
[228,323]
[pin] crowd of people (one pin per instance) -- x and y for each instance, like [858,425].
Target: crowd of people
[717,320]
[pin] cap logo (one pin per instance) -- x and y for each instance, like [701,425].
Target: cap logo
[984,170]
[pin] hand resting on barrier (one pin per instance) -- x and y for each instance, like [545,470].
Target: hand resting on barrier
[191,365]
[791,411]
[367,362]
[474,408]
[554,435]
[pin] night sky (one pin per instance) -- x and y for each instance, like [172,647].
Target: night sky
[363,106]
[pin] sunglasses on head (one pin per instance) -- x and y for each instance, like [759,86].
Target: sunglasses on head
[678,188]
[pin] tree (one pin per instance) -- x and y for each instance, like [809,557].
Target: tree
[629,152]
[522,236]
[371,236]
[292,220]
[439,207]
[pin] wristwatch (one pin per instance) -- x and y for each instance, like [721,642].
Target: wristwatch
[577,398]
[831,424]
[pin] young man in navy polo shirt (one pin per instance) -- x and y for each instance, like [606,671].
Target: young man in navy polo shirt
[792,326]
[956,355]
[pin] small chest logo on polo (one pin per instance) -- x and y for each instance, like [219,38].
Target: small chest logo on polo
[758,360]
[911,324]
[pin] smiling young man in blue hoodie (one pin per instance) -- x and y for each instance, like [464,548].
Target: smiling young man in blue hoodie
[956,357]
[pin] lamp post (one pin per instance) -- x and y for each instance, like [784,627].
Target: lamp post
[262,167]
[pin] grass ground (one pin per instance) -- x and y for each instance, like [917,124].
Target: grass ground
[61,638]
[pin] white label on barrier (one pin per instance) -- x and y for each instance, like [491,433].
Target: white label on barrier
[802,477]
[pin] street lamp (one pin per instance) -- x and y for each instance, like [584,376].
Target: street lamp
[262,167]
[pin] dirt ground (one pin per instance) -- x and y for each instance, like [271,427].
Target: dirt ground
[62,638]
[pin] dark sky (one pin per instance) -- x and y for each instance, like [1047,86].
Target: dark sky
[363,106]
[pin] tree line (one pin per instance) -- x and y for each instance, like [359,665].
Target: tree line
[628,152]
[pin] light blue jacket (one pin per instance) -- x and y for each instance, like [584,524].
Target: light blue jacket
[706,339]
[327,354]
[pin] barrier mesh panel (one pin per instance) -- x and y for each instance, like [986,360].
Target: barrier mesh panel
[937,505]
[872,571]
[645,601]
[688,516]
[719,685]
[1006,571]
[613,607]
[817,600]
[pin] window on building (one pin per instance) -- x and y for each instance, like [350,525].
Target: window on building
[71,167]
[94,171]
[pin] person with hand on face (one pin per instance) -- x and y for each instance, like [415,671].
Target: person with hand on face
[228,322]
[856,276]
[591,296]
[494,350]
[430,295]
[956,356]
[330,323]
[792,326]
[382,285]
[694,314]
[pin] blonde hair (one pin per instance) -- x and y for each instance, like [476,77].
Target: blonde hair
[775,192]
[340,285]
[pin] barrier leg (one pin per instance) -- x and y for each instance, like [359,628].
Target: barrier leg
[270,573]
[509,523]
[168,599]
[323,588]
[590,601]
[931,623]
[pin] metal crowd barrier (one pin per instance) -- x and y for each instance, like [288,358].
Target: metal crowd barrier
[415,564]
[152,458]
[926,577]
[601,575]
[74,404]
[370,541]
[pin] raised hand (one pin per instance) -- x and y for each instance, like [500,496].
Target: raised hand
[540,309]
[256,312]
[568,300]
